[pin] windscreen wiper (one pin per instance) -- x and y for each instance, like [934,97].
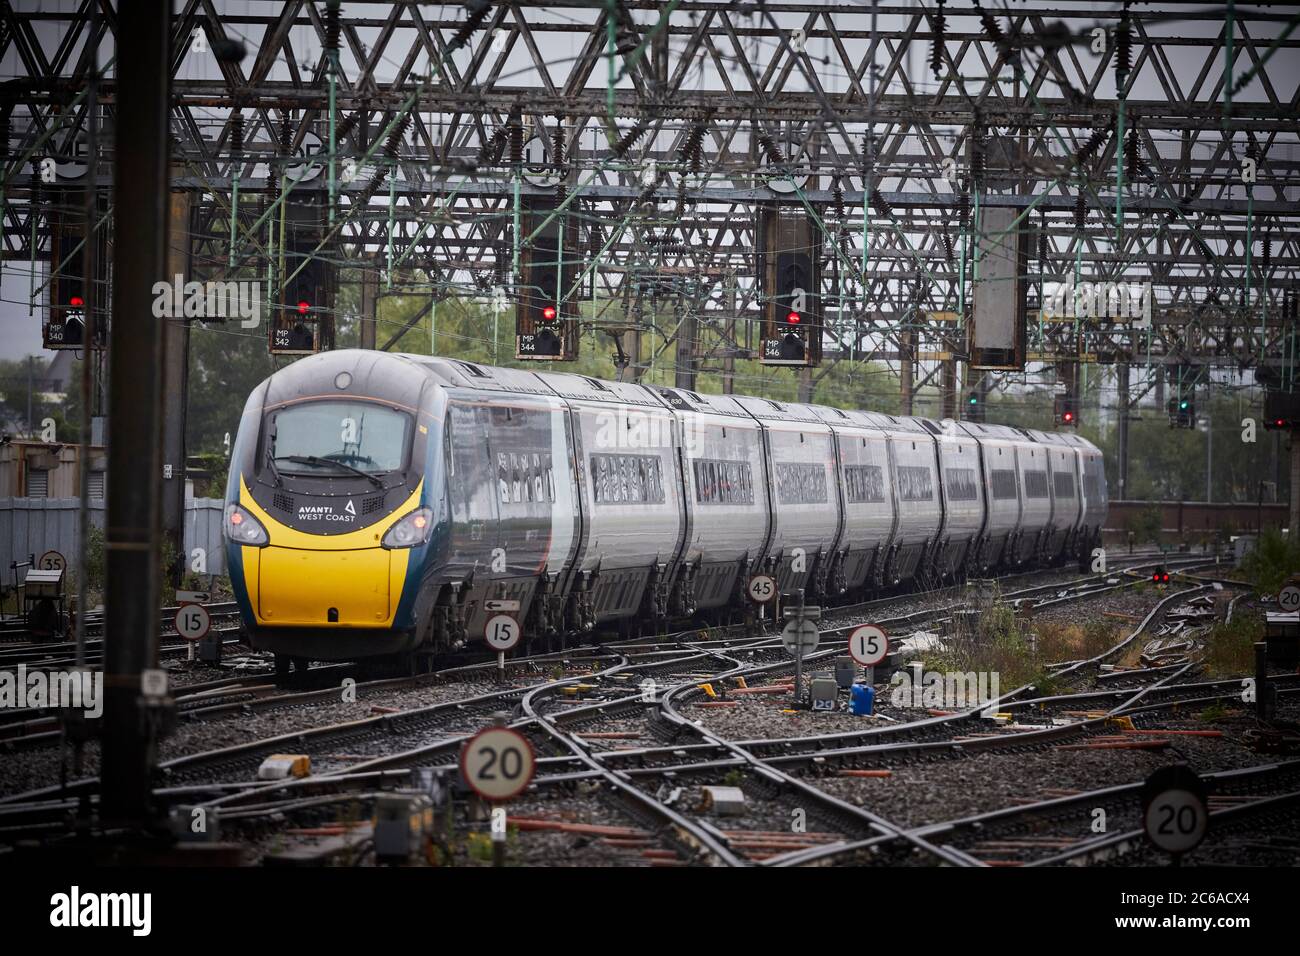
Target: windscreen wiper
[275,472]
[318,460]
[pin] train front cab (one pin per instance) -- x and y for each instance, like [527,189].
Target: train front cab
[325,561]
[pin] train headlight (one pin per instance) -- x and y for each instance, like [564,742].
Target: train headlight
[242,528]
[411,530]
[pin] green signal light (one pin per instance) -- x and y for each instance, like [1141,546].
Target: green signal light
[974,400]
[1183,405]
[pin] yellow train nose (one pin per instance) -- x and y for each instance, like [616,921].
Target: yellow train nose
[311,588]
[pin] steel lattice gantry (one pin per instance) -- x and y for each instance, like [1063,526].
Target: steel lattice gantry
[663,128]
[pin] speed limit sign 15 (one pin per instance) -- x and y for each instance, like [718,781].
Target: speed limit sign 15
[868,645]
[498,763]
[502,632]
[193,622]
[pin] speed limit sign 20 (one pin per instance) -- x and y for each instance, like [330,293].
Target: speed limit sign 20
[498,763]
[868,645]
[1288,599]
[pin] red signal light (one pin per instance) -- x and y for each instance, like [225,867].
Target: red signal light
[794,318]
[549,313]
[1069,416]
[1166,579]
[304,307]
[77,302]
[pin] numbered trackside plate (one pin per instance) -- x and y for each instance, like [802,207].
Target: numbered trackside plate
[498,763]
[193,622]
[868,645]
[502,632]
[762,588]
[1288,599]
[54,561]
[1176,821]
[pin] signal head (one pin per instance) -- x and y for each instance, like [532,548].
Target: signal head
[304,307]
[549,313]
[794,318]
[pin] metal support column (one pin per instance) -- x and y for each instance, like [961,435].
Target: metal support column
[948,388]
[369,317]
[175,378]
[686,362]
[1123,410]
[906,370]
[135,399]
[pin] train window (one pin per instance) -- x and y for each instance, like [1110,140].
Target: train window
[723,482]
[332,438]
[800,484]
[1003,482]
[1091,487]
[961,484]
[626,479]
[1036,483]
[864,483]
[1064,481]
[524,477]
[915,483]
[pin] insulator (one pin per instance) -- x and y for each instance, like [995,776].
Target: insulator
[977,153]
[333,28]
[947,246]
[516,134]
[493,148]
[1094,143]
[395,137]
[1267,258]
[1123,50]
[1132,159]
[837,197]
[648,193]
[963,209]
[286,133]
[880,204]
[236,132]
[478,13]
[343,128]
[937,45]
[693,147]
[770,149]
[1042,243]
[557,140]
[1080,209]
[630,138]
[991,26]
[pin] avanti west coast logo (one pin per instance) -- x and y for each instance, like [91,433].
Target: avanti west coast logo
[76,909]
[232,299]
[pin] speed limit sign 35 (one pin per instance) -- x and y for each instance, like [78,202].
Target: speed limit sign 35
[868,645]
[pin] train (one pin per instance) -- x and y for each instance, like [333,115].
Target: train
[392,504]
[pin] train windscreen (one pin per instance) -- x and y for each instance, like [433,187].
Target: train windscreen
[317,437]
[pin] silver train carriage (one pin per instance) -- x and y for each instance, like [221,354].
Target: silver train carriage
[383,503]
